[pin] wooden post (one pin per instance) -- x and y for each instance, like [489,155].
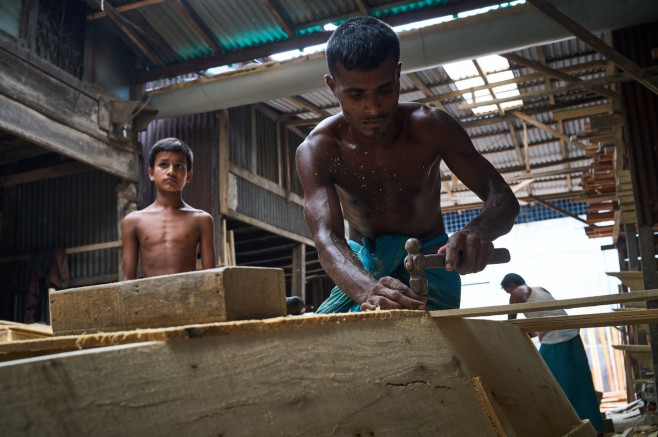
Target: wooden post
[298,287]
[631,247]
[224,158]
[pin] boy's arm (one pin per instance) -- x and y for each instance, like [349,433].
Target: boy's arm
[130,247]
[207,242]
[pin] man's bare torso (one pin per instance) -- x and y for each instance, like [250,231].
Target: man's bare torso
[392,187]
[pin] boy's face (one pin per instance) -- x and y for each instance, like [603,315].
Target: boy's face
[170,171]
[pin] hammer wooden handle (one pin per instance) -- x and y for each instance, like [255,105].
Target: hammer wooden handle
[416,263]
[499,256]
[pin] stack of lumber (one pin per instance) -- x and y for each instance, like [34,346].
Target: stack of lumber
[599,186]
[12,331]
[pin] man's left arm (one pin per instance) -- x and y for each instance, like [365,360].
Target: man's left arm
[469,249]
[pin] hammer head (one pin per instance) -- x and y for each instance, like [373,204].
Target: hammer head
[415,265]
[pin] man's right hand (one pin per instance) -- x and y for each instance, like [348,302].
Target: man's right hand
[391,294]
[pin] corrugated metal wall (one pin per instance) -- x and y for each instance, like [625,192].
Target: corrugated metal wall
[200,133]
[264,205]
[267,150]
[640,107]
[61,213]
[294,141]
[239,136]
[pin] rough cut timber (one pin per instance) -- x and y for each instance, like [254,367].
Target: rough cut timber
[214,295]
[380,373]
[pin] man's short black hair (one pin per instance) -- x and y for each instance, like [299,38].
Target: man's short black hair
[512,278]
[362,43]
[171,145]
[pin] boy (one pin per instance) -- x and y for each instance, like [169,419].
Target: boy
[167,234]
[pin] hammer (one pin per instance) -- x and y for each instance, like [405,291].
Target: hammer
[416,263]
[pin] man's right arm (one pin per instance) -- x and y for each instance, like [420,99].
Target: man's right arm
[130,247]
[516,296]
[324,217]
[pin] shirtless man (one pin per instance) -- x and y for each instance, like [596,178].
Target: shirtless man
[168,234]
[376,166]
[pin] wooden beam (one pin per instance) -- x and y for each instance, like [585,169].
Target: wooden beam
[69,250]
[560,210]
[585,35]
[223,378]
[123,8]
[197,24]
[552,323]
[127,31]
[285,26]
[41,130]
[581,112]
[362,8]
[548,129]
[206,296]
[610,299]
[538,66]
[569,87]
[309,106]
[418,83]
[54,171]
[516,188]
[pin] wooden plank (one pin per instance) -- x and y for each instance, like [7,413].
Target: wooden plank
[635,296]
[259,377]
[12,331]
[41,130]
[55,171]
[213,295]
[552,323]
[631,279]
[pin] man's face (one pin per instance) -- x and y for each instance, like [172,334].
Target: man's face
[368,98]
[510,288]
[170,171]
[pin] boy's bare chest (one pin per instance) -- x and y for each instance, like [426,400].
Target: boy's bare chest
[168,230]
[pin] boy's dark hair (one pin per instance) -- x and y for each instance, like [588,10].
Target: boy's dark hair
[171,145]
[361,43]
[511,278]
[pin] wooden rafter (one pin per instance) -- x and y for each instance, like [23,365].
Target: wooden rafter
[585,35]
[573,86]
[551,72]
[560,210]
[283,23]
[362,7]
[515,141]
[547,80]
[520,79]
[548,129]
[308,106]
[449,192]
[126,30]
[197,24]
[66,169]
[418,83]
[124,8]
